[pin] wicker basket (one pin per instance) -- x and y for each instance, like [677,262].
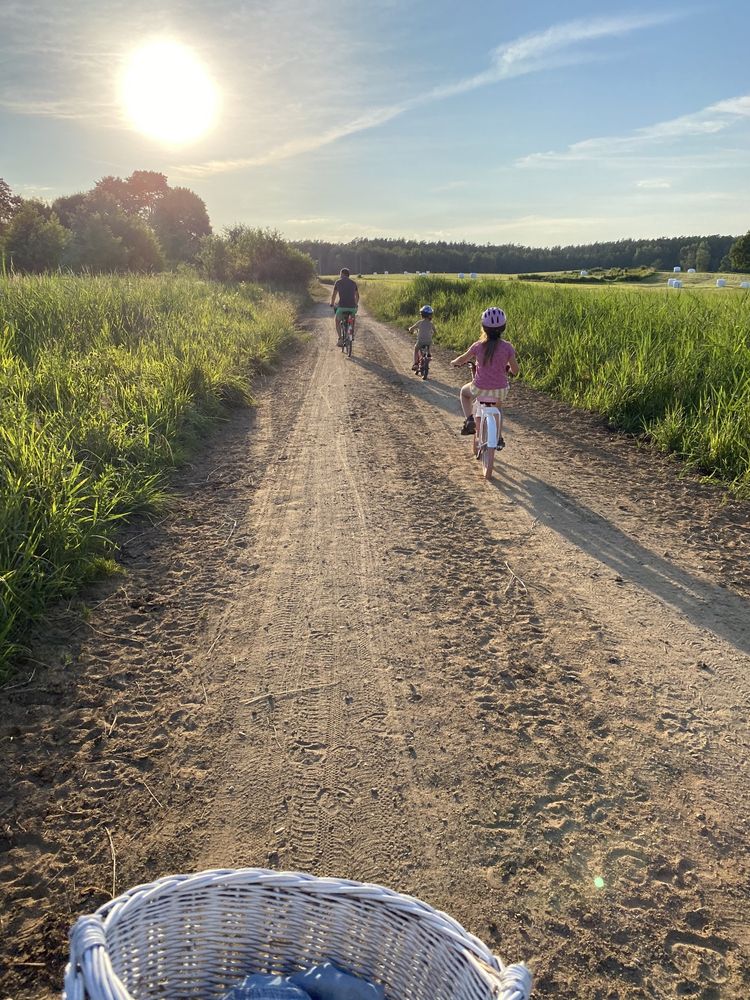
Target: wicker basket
[193,937]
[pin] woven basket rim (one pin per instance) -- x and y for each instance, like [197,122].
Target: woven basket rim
[117,909]
[90,963]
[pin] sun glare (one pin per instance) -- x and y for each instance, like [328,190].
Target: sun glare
[167,94]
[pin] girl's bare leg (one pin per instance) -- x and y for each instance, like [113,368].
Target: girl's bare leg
[467,400]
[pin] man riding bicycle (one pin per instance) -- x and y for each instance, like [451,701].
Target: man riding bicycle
[348,294]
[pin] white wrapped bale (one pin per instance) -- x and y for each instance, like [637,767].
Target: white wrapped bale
[721,282]
[461,274]
[584,274]
[745,284]
[691,270]
[676,270]
[473,274]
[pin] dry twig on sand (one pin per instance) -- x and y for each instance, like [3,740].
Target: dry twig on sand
[515,580]
[156,800]
[270,696]
[218,636]
[114,861]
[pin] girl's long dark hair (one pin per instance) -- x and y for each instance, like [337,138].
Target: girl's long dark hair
[490,337]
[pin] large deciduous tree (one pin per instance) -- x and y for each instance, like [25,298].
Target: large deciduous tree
[138,194]
[106,238]
[703,256]
[68,207]
[35,241]
[9,205]
[739,254]
[180,220]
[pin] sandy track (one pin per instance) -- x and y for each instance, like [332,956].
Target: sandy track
[345,653]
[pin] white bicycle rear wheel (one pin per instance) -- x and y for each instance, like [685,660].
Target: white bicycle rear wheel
[489,435]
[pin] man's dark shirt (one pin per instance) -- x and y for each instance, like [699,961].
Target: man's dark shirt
[347,292]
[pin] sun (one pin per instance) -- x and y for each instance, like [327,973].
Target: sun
[167,93]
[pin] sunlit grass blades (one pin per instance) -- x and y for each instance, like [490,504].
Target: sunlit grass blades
[103,383]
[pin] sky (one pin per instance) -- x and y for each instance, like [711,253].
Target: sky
[491,121]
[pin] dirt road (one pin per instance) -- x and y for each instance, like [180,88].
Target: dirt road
[525,702]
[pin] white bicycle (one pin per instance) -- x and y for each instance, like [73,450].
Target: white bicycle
[488,436]
[488,429]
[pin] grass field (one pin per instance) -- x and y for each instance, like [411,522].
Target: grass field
[104,383]
[670,364]
[658,280]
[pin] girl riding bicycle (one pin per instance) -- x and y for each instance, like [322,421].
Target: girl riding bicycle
[494,358]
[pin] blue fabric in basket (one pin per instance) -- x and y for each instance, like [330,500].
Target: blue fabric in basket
[326,982]
[260,987]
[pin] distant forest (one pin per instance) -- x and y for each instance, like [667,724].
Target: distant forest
[363,256]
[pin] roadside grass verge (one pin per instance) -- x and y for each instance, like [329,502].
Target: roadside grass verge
[672,367]
[105,384]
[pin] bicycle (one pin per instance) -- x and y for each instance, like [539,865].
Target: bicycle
[488,429]
[423,360]
[488,435]
[347,333]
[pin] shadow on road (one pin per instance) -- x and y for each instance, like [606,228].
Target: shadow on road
[432,391]
[701,602]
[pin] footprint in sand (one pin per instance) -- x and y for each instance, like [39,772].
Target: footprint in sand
[702,959]
[684,730]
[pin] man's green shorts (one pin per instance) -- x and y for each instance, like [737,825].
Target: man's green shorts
[342,310]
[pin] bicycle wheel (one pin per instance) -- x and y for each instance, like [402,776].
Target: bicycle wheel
[487,435]
[493,422]
[488,461]
[425,366]
[349,344]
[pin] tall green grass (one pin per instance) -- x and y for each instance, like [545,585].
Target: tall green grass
[104,382]
[672,365]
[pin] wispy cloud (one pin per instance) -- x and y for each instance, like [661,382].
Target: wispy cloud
[558,45]
[295,147]
[307,222]
[544,50]
[654,184]
[708,121]
[102,112]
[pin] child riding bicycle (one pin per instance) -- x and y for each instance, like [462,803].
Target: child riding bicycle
[425,331]
[494,358]
[348,294]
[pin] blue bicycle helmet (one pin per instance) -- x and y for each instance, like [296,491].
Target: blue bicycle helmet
[425,311]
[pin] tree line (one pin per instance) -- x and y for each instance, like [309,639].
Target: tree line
[142,224]
[139,224]
[365,256]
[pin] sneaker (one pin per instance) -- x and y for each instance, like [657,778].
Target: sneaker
[500,443]
[469,427]
[415,368]
[340,342]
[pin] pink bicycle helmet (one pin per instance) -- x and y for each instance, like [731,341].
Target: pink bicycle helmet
[493,317]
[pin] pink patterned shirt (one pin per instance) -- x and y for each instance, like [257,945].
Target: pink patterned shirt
[493,375]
